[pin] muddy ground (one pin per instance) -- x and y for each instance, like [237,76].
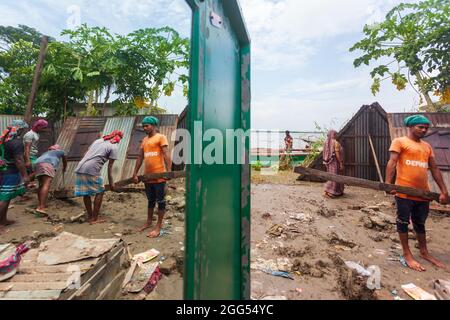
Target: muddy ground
[125,213]
[309,236]
[295,229]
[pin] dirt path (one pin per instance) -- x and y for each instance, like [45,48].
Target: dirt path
[318,234]
[125,214]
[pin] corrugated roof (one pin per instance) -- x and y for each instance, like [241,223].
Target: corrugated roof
[125,125]
[354,138]
[6,120]
[123,167]
[47,137]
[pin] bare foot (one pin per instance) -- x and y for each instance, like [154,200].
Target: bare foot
[414,265]
[154,233]
[146,226]
[329,196]
[434,261]
[42,212]
[7,223]
[97,221]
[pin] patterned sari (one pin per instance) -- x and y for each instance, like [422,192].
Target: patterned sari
[331,148]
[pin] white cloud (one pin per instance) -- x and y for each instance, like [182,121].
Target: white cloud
[286,33]
[51,16]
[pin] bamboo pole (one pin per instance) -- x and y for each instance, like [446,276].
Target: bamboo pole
[37,77]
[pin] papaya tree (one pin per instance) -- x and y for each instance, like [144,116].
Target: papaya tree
[411,46]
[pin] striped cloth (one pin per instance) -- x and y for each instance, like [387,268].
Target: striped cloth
[45,169]
[88,185]
[11,186]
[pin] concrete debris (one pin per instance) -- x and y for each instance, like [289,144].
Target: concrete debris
[179,203]
[266,215]
[284,264]
[303,217]
[168,266]
[306,268]
[327,213]
[354,287]
[339,239]
[378,222]
[291,252]
[81,218]
[379,237]
[394,238]
[275,231]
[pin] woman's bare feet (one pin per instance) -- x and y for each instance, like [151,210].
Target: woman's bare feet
[329,196]
[413,264]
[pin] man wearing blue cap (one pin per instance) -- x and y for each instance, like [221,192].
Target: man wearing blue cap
[154,152]
[411,158]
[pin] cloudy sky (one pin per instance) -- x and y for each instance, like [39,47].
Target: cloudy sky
[302,71]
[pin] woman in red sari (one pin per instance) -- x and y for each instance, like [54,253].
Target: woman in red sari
[334,161]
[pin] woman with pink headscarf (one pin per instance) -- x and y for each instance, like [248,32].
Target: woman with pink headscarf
[46,167]
[333,159]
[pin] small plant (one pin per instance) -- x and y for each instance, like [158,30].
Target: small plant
[257,166]
[316,146]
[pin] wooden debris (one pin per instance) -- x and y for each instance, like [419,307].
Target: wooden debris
[357,182]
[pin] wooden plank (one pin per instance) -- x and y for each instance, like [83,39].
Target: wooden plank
[440,208]
[32,295]
[86,278]
[368,184]
[153,176]
[112,289]
[42,277]
[30,269]
[103,277]
[67,194]
[26,286]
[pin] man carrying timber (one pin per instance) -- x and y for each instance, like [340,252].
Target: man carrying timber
[411,158]
[154,152]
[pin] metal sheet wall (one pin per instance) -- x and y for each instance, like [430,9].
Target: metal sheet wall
[123,168]
[65,139]
[354,137]
[125,125]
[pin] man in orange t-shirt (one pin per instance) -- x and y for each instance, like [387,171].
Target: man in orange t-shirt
[411,158]
[154,152]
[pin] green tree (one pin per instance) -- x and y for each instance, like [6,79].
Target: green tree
[139,67]
[413,40]
[10,35]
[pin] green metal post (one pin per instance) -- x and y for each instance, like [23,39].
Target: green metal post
[217,264]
